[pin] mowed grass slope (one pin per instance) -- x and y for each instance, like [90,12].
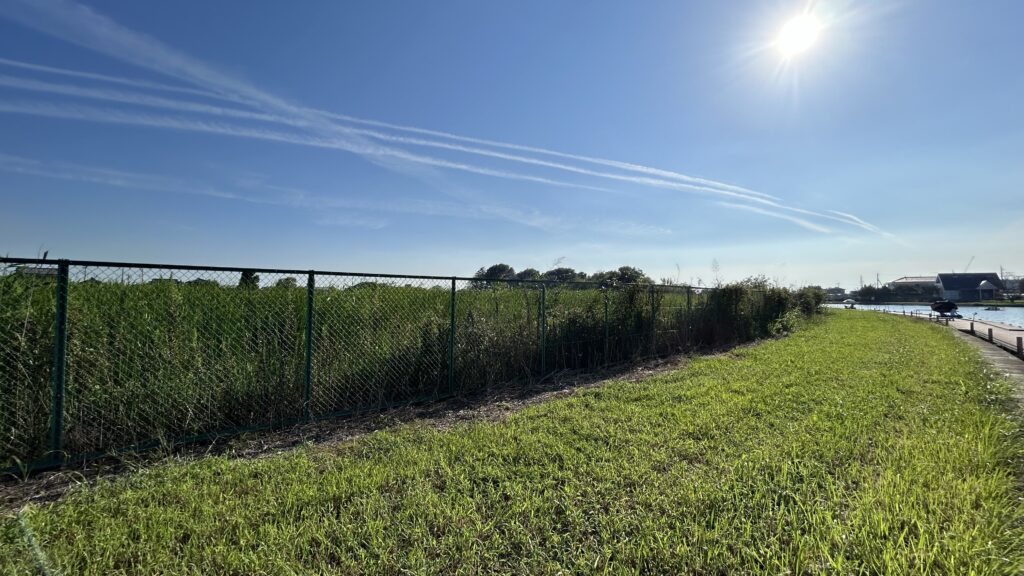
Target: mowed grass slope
[861,444]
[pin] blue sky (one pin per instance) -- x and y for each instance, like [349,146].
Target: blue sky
[439,137]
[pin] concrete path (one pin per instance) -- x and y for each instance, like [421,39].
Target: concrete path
[1005,336]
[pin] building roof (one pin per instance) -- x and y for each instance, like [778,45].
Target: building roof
[914,280]
[968,281]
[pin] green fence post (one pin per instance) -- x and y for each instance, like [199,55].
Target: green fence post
[606,325]
[307,398]
[653,321]
[689,318]
[543,329]
[59,375]
[451,340]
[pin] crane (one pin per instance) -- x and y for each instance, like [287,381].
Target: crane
[969,262]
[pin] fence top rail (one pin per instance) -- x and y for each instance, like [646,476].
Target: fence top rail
[153,266]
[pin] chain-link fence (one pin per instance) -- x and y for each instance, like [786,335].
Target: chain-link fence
[97,358]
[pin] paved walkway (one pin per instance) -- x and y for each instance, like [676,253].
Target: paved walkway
[1005,336]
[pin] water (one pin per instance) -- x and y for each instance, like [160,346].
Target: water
[1008,315]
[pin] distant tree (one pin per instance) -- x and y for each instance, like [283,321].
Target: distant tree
[759,282]
[872,294]
[563,274]
[287,282]
[500,272]
[249,279]
[631,275]
[528,274]
[484,276]
[624,275]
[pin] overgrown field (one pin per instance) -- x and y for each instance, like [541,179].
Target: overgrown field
[161,358]
[861,444]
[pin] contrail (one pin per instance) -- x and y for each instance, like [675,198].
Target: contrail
[852,222]
[116,178]
[179,105]
[798,221]
[294,197]
[92,114]
[78,24]
[107,78]
[101,115]
[862,223]
[135,98]
[171,104]
[81,25]
[351,119]
[555,153]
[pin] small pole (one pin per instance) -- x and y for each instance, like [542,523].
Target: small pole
[1020,346]
[606,325]
[451,340]
[972,328]
[307,396]
[989,334]
[59,375]
[654,322]
[689,317]
[543,329]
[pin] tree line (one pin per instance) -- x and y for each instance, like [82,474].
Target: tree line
[622,275]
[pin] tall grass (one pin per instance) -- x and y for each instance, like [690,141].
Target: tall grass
[863,444]
[162,360]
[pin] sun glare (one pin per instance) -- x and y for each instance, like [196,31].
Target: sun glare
[798,35]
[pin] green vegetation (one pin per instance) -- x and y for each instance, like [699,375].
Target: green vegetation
[562,275]
[156,358]
[901,294]
[862,444]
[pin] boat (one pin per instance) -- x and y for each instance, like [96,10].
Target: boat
[992,308]
[944,307]
[849,303]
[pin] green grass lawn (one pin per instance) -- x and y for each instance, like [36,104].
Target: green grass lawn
[863,443]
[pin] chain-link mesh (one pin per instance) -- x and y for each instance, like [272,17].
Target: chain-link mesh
[575,327]
[378,342]
[497,331]
[158,355]
[165,355]
[27,312]
[673,320]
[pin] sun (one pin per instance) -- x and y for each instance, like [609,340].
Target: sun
[798,35]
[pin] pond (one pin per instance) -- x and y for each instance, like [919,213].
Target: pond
[1008,315]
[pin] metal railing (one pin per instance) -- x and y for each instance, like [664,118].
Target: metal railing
[103,357]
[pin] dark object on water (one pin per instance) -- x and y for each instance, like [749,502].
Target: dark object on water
[992,308]
[944,307]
